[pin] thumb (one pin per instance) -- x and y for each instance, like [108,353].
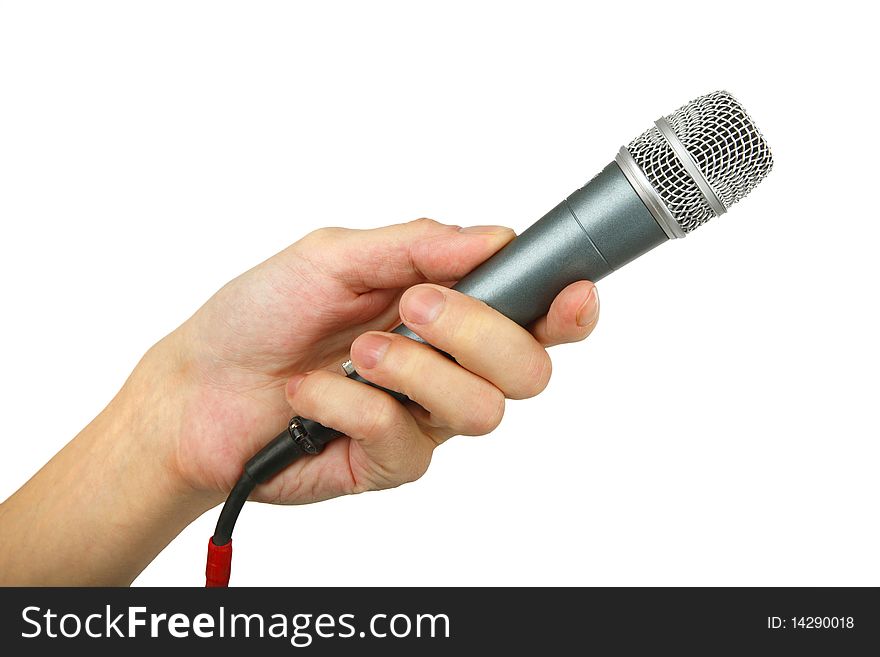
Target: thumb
[404,254]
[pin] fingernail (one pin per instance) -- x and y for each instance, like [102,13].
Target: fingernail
[369,350]
[293,383]
[484,230]
[422,305]
[589,310]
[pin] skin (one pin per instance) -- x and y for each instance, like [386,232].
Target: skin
[267,346]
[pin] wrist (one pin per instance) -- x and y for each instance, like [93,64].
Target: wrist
[153,406]
[113,498]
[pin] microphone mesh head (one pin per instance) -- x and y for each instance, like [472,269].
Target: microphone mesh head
[725,145]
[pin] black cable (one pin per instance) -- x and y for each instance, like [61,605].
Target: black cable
[234,503]
[302,437]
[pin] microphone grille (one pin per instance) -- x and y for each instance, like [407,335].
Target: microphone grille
[723,142]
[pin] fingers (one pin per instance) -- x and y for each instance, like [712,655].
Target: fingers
[494,358]
[480,339]
[572,316]
[395,450]
[457,400]
[404,254]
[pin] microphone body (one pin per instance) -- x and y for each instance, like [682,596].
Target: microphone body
[597,229]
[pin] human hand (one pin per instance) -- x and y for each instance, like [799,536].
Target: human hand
[270,343]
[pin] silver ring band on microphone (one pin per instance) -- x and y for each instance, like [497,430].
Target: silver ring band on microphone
[648,194]
[690,166]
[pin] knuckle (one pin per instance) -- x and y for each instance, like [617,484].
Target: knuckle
[424,223]
[536,375]
[487,413]
[364,485]
[380,417]
[415,467]
[322,236]
[405,469]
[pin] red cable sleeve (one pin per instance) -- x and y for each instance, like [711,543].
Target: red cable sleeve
[219,564]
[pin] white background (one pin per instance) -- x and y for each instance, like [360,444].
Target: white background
[720,426]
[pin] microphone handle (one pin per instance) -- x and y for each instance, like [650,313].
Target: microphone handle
[597,229]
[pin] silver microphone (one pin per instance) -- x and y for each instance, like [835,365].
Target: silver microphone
[692,165]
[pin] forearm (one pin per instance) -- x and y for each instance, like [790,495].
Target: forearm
[111,500]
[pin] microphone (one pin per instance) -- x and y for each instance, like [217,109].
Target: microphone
[691,166]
